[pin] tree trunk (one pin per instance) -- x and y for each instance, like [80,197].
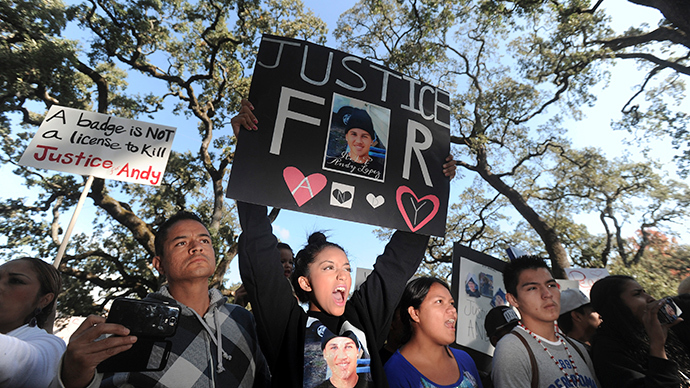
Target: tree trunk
[675,11]
[556,251]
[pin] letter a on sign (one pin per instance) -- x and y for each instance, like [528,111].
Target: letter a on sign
[303,188]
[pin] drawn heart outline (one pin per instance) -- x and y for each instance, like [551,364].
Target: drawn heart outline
[303,188]
[434,200]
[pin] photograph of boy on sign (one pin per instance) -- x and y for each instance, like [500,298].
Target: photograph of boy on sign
[343,355]
[357,138]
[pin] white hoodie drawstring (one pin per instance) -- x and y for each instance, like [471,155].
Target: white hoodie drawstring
[219,343]
[218,339]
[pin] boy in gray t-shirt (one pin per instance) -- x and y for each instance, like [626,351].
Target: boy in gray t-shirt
[535,354]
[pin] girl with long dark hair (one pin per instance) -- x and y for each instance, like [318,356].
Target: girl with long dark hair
[428,315]
[632,348]
[291,337]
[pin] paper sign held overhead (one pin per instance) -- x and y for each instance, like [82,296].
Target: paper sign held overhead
[105,146]
[343,137]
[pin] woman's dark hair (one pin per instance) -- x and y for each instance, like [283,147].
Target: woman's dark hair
[619,322]
[315,244]
[413,296]
[50,281]
[617,319]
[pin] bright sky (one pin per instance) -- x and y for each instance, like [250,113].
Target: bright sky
[358,239]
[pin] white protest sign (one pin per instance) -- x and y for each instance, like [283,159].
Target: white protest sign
[480,286]
[568,284]
[586,277]
[108,147]
[361,276]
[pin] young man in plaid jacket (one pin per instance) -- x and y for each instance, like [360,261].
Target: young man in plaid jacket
[215,342]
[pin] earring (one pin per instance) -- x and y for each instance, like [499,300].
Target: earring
[33,322]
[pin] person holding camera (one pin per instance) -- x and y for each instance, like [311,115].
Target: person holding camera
[214,345]
[631,347]
[28,354]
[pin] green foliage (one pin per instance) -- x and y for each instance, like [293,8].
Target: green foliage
[31,60]
[506,111]
[516,70]
[664,266]
[399,36]
[196,57]
[658,117]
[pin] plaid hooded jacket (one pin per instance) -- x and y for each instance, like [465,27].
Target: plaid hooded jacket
[195,359]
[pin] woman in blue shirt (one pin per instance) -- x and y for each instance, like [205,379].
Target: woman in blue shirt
[428,313]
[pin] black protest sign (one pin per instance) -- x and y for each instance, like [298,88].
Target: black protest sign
[342,137]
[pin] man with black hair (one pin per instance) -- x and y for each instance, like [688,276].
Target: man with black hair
[535,354]
[578,320]
[215,344]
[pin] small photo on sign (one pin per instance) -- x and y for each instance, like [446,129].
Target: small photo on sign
[357,138]
[486,285]
[499,299]
[471,286]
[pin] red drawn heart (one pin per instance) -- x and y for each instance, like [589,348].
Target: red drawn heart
[434,200]
[303,188]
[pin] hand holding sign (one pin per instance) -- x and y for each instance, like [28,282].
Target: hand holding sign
[449,167]
[245,118]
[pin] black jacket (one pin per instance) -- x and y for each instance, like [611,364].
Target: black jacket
[281,321]
[618,367]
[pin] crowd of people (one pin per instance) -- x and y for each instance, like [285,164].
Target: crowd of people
[306,330]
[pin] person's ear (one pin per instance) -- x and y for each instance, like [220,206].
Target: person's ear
[414,314]
[576,316]
[512,300]
[45,300]
[304,283]
[158,265]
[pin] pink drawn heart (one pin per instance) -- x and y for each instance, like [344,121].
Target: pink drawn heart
[434,200]
[303,188]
